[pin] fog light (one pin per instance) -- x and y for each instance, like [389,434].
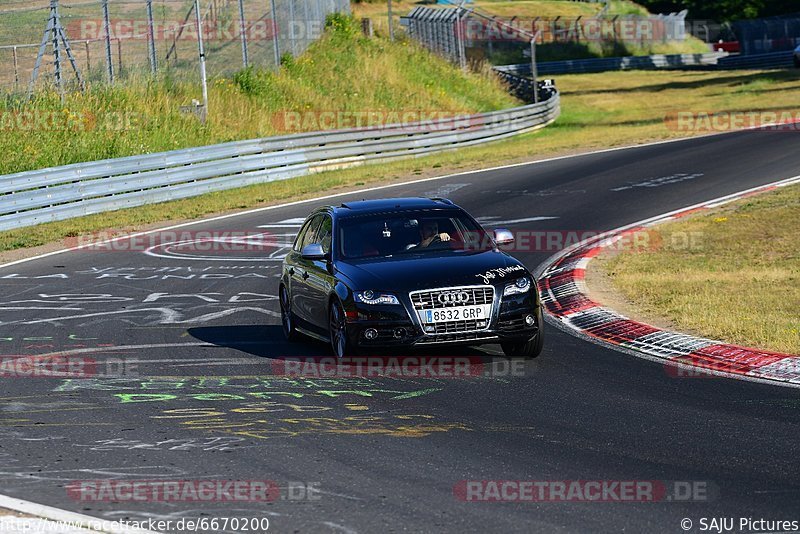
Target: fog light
[399,333]
[370,333]
[529,320]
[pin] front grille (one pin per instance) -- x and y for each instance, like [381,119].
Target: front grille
[456,326]
[464,336]
[429,300]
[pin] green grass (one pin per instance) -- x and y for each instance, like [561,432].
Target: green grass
[341,72]
[625,7]
[528,10]
[740,282]
[598,110]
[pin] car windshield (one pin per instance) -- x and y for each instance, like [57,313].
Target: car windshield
[412,232]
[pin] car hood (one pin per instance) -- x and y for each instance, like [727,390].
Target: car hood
[409,273]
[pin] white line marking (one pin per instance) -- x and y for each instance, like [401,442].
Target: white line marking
[444,190]
[340,528]
[57,514]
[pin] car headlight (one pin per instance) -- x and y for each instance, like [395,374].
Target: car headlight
[521,285]
[372,297]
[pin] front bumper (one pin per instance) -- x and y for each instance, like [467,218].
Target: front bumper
[396,328]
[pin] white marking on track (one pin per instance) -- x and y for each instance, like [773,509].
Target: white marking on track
[340,528]
[168,315]
[444,191]
[663,180]
[277,245]
[295,221]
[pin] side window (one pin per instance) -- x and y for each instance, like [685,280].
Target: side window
[306,233]
[325,233]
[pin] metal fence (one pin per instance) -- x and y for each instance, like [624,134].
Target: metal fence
[768,35]
[772,60]
[658,61]
[35,197]
[711,60]
[118,39]
[455,32]
[438,30]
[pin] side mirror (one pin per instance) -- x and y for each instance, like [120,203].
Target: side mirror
[503,237]
[313,252]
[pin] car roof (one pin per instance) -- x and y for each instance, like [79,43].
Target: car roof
[387,205]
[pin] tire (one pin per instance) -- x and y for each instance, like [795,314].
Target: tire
[287,317]
[527,349]
[341,345]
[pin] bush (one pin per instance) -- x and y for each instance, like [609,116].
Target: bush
[346,25]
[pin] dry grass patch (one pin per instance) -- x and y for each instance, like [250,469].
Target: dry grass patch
[740,283]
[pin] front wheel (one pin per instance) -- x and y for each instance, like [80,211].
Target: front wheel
[340,343]
[524,349]
[527,349]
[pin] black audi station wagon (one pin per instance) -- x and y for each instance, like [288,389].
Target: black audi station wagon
[407,272]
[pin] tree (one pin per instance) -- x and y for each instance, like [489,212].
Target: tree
[725,10]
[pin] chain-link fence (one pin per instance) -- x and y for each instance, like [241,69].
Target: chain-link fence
[120,39]
[439,30]
[450,30]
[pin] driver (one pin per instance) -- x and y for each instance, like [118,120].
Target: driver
[429,232]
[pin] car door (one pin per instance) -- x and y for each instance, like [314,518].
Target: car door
[297,270]
[320,277]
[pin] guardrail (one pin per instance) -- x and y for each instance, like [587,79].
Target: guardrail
[658,61]
[711,60]
[772,60]
[521,87]
[59,193]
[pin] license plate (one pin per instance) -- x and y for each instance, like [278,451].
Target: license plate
[460,313]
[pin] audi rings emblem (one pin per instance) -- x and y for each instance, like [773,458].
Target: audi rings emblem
[454,297]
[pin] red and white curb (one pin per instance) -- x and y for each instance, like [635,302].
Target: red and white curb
[565,298]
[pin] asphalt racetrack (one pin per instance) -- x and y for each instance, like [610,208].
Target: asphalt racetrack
[195,337]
